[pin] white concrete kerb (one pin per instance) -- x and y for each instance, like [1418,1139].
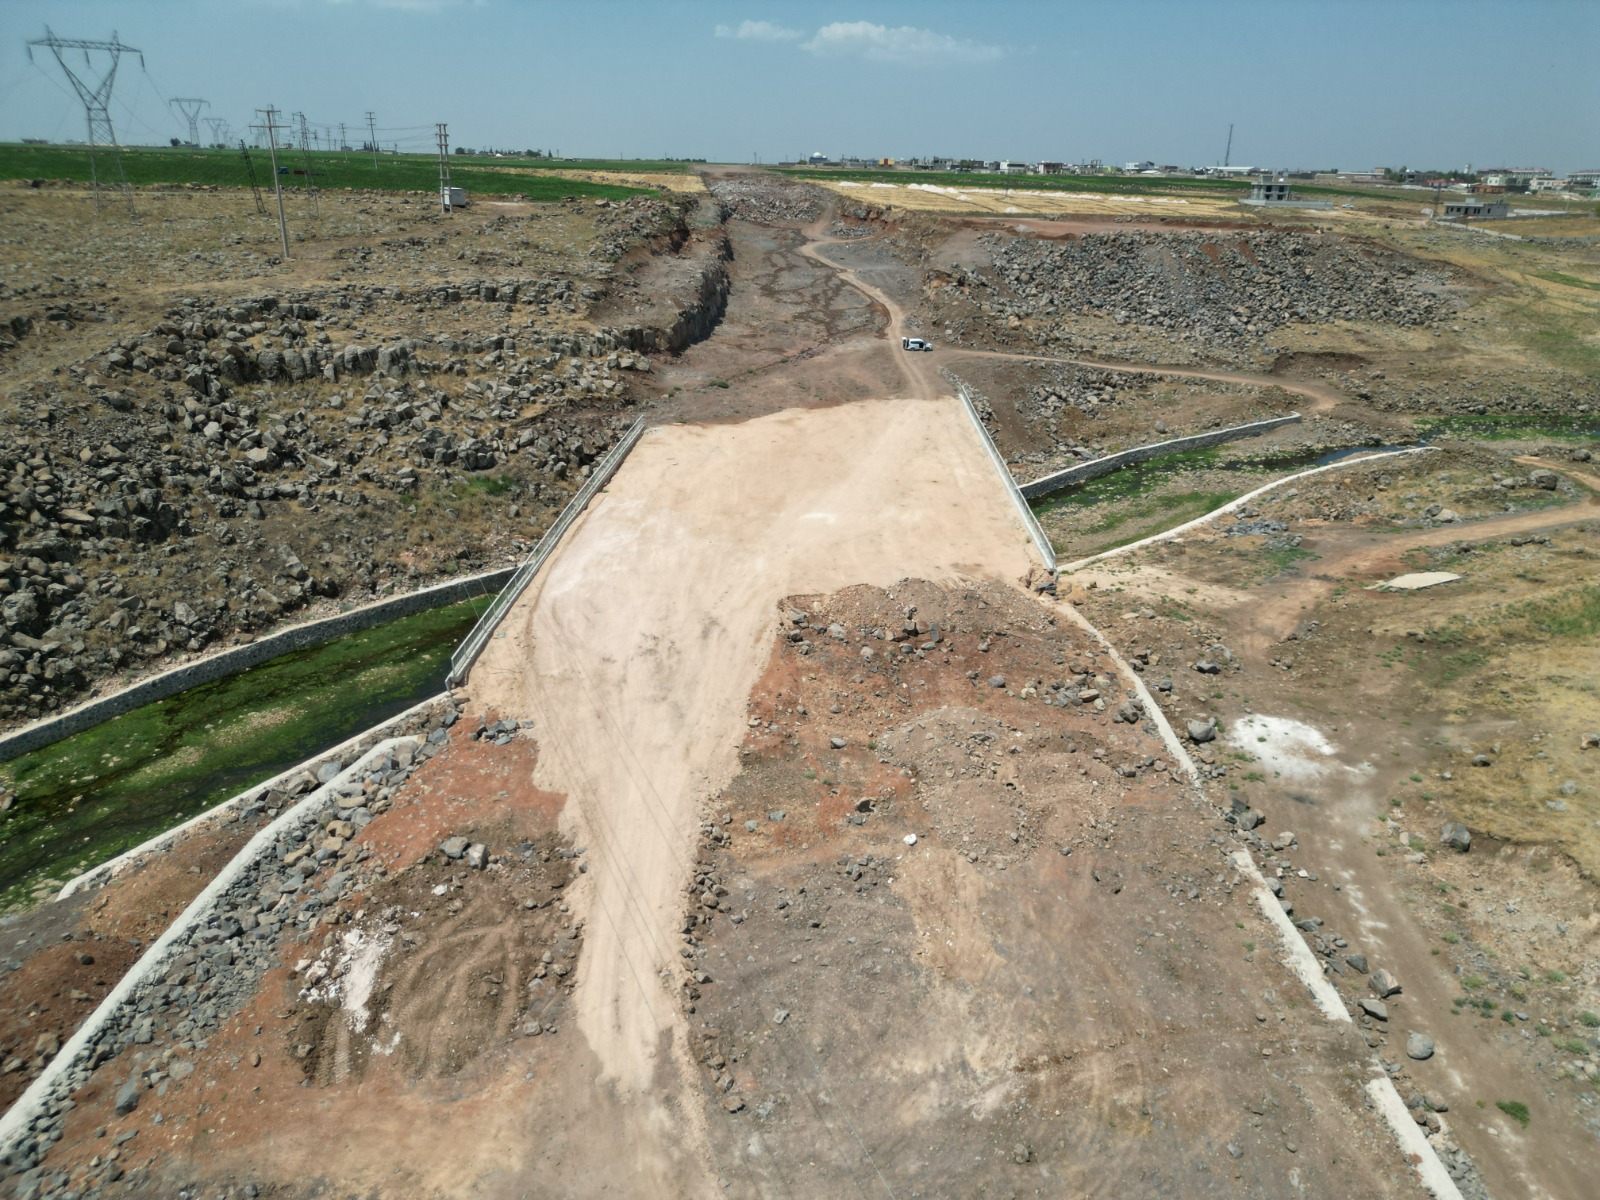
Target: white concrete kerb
[17,1120]
[113,867]
[1418,1150]
[1240,502]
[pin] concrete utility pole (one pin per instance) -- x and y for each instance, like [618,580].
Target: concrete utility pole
[344,140]
[190,107]
[95,99]
[372,137]
[269,118]
[443,132]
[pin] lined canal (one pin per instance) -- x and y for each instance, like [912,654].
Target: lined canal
[93,795]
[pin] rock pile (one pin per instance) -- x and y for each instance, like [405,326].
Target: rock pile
[1212,289]
[767,199]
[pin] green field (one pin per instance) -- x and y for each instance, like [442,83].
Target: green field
[146,165]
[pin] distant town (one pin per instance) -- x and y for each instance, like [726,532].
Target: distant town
[1482,181]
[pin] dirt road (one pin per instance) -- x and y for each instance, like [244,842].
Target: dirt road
[1320,397]
[641,640]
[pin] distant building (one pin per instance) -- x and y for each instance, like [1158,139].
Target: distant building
[1275,193]
[1461,210]
[1051,168]
[1013,168]
[1583,179]
[819,159]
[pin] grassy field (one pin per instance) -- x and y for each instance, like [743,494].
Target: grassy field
[530,177]
[93,795]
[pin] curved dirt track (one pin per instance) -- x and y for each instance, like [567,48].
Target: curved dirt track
[1321,397]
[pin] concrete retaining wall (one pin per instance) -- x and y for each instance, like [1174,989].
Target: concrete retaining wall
[1095,468]
[70,1068]
[1029,522]
[467,653]
[113,867]
[230,662]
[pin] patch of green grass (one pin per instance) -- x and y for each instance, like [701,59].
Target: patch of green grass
[1575,1046]
[93,795]
[1589,1020]
[148,165]
[1568,280]
[1516,1110]
[1555,976]
[1508,426]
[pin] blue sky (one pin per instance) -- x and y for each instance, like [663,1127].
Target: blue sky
[1307,83]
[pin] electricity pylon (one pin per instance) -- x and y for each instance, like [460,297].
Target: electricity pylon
[96,96]
[190,107]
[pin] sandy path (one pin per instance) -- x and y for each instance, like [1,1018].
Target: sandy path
[1321,397]
[637,647]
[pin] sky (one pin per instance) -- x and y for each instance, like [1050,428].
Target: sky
[1346,84]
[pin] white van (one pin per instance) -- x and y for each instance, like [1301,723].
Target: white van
[910,343]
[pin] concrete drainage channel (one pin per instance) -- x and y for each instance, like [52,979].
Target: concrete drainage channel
[219,936]
[217,933]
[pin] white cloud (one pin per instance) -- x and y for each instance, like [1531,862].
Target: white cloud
[759,31]
[903,44]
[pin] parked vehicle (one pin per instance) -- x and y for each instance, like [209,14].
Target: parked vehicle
[910,343]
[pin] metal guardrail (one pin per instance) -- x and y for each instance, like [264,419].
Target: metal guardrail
[1029,521]
[467,653]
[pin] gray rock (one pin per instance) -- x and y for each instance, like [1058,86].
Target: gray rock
[128,1097]
[1385,984]
[997,681]
[454,847]
[838,743]
[1456,836]
[1202,730]
[477,856]
[329,771]
[1250,819]
[1206,667]
[1357,962]
[1376,1009]
[1419,1046]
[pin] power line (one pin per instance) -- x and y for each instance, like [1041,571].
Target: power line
[96,97]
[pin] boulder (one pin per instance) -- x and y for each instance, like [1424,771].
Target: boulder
[1456,836]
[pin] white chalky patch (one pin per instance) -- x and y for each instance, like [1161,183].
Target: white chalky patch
[1290,749]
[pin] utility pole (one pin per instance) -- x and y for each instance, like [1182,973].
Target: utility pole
[250,168]
[1227,155]
[372,137]
[344,141]
[305,156]
[95,99]
[269,125]
[443,132]
[190,107]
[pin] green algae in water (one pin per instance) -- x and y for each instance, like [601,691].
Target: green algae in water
[91,796]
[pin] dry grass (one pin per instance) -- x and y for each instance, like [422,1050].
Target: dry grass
[939,198]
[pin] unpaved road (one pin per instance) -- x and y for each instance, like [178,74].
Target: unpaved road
[642,638]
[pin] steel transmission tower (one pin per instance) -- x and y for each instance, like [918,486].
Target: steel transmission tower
[305,155]
[442,131]
[219,130]
[96,96]
[190,107]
